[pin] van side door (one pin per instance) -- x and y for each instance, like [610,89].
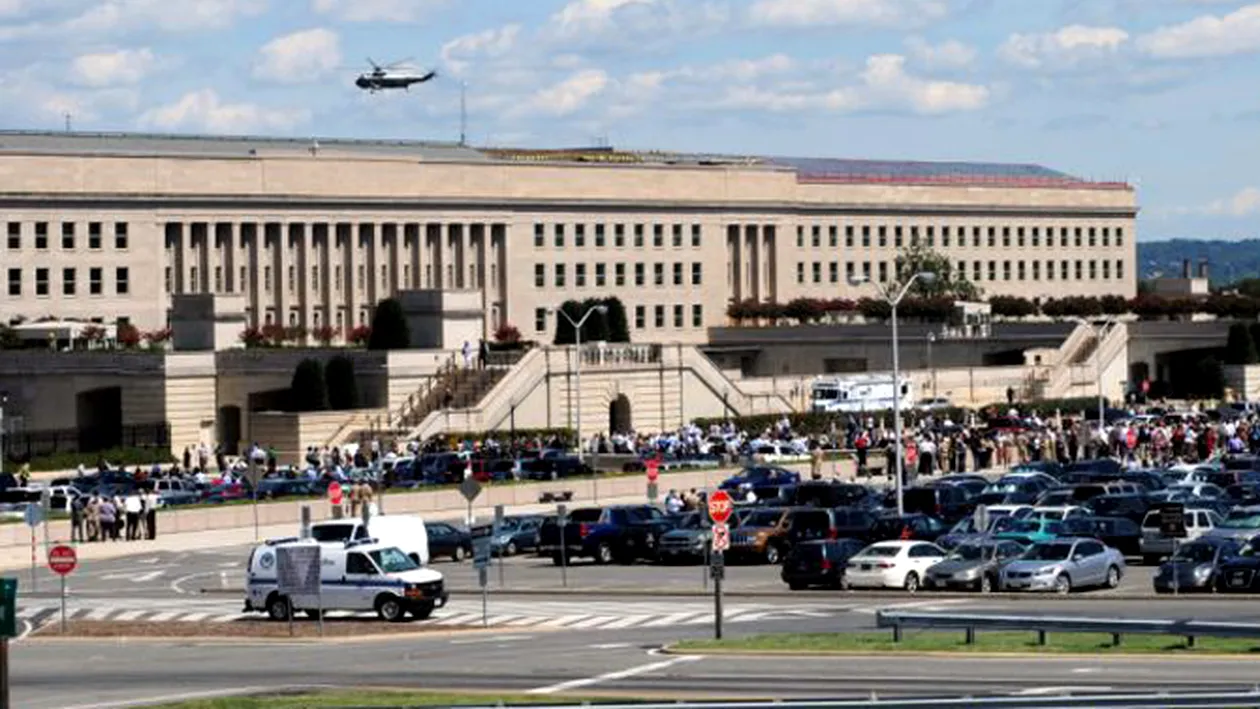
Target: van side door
[356,590]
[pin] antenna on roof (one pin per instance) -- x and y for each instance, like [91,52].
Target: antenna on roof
[69,129]
[463,113]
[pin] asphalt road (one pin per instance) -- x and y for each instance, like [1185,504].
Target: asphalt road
[98,675]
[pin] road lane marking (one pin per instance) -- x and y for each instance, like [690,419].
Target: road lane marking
[610,676]
[491,639]
[625,622]
[1046,691]
[610,646]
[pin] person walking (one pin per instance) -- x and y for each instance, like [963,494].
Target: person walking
[150,513]
[467,355]
[77,513]
[107,513]
[133,506]
[483,353]
[93,518]
[353,495]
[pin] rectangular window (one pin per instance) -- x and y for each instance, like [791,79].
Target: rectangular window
[975,271]
[559,236]
[168,280]
[293,278]
[638,274]
[931,236]
[697,316]
[41,282]
[1019,273]
[961,270]
[897,237]
[1119,242]
[678,274]
[579,236]
[1064,270]
[866,270]
[678,316]
[1093,237]
[816,270]
[67,236]
[658,235]
[1078,237]
[848,271]
[120,236]
[866,236]
[540,235]
[540,319]
[833,236]
[1106,269]
[540,276]
[993,270]
[848,236]
[619,235]
[1036,237]
[15,282]
[914,236]
[1036,270]
[800,237]
[122,280]
[638,236]
[1006,270]
[1119,269]
[658,274]
[1049,270]
[883,271]
[1106,236]
[992,237]
[833,272]
[41,235]
[1063,236]
[640,317]
[68,281]
[658,316]
[883,236]
[800,272]
[94,281]
[696,273]
[560,281]
[1080,271]
[1006,237]
[1093,270]
[15,236]
[1019,237]
[695,236]
[677,241]
[599,236]
[600,275]
[94,235]
[815,236]
[579,275]
[619,274]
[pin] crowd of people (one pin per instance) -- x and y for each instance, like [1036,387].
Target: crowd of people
[100,518]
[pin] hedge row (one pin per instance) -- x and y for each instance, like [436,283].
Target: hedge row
[118,457]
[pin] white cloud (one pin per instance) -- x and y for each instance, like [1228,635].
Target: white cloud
[12,8]
[1208,36]
[566,97]
[950,54]
[378,10]
[169,15]
[491,44]
[1064,48]
[591,15]
[812,13]
[299,57]
[1243,203]
[125,66]
[204,111]
[631,23]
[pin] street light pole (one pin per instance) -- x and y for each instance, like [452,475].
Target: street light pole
[894,300]
[577,339]
[1098,371]
[931,337]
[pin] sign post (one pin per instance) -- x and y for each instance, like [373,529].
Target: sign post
[1172,523]
[470,489]
[62,560]
[562,519]
[253,474]
[498,530]
[298,573]
[720,509]
[34,515]
[481,559]
[8,629]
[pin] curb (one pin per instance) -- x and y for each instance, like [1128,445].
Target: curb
[671,649]
[418,634]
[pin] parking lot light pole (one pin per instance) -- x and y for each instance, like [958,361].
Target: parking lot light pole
[577,339]
[1097,332]
[893,295]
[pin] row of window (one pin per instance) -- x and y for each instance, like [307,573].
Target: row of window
[1067,269]
[659,319]
[599,233]
[619,274]
[15,235]
[958,236]
[224,284]
[70,281]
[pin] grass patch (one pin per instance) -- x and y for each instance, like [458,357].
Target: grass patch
[955,641]
[368,698]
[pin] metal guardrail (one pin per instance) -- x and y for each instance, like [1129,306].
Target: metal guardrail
[1042,625]
[1220,700]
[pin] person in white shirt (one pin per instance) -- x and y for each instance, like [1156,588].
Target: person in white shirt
[133,506]
[150,513]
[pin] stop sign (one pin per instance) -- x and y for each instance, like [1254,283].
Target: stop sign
[720,506]
[334,493]
[653,470]
[62,559]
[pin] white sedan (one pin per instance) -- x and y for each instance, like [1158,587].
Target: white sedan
[892,564]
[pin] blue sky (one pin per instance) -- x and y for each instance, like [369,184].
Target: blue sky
[1162,93]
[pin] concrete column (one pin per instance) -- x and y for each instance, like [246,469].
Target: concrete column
[734,253]
[415,244]
[752,269]
[175,247]
[251,246]
[225,252]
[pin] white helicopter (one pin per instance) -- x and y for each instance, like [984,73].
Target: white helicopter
[390,76]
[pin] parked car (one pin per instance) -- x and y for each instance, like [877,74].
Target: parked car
[518,534]
[1119,533]
[893,564]
[1242,523]
[974,566]
[689,539]
[448,540]
[1155,544]
[1130,506]
[1196,566]
[1241,572]
[819,563]
[1029,530]
[1064,564]
[623,533]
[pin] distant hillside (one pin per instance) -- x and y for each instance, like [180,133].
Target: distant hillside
[1228,261]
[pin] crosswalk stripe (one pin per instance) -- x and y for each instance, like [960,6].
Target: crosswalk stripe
[527,621]
[194,617]
[101,613]
[460,619]
[671,619]
[128,615]
[28,613]
[163,617]
[594,621]
[625,622]
[702,619]
[563,621]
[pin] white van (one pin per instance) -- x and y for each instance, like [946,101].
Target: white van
[1155,545]
[407,532]
[362,575]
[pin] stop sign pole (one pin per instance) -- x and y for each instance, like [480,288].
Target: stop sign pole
[62,560]
[720,508]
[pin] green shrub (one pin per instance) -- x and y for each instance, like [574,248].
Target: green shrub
[343,390]
[389,327]
[128,457]
[308,391]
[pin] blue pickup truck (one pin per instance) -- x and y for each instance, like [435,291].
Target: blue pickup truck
[621,533]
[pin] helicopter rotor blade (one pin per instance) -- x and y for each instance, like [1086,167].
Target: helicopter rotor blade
[399,63]
[374,65]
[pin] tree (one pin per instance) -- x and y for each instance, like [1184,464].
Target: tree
[324,334]
[343,390]
[1010,306]
[805,310]
[618,326]
[1113,305]
[274,335]
[359,336]
[507,334]
[595,329]
[918,258]
[1209,378]
[389,327]
[308,392]
[1239,347]
[251,337]
[9,339]
[128,336]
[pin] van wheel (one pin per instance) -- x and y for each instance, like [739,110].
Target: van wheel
[457,555]
[422,611]
[277,607]
[390,608]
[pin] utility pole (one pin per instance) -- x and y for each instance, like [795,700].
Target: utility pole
[463,113]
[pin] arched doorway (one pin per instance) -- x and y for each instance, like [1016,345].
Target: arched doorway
[230,429]
[619,415]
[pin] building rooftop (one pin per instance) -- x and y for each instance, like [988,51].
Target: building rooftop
[808,170]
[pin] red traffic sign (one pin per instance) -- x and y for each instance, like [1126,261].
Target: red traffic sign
[653,470]
[720,506]
[334,493]
[721,537]
[62,559]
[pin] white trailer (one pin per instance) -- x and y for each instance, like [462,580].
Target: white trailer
[865,392]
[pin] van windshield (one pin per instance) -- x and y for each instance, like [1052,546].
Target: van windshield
[392,560]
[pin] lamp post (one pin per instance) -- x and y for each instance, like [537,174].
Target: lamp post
[931,338]
[893,295]
[577,339]
[1098,373]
